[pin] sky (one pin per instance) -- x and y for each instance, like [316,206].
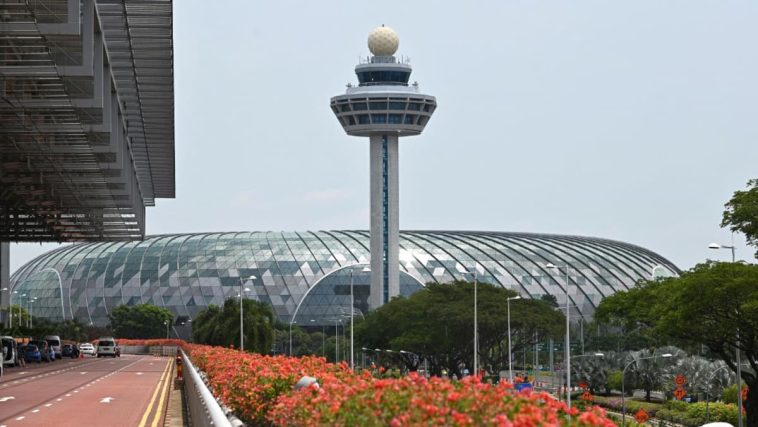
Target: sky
[633,121]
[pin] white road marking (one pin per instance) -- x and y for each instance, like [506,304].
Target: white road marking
[139,373]
[20,418]
[35,411]
[59,399]
[48,405]
[106,400]
[6,398]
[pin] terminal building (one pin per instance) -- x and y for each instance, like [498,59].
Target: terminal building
[306,276]
[86,120]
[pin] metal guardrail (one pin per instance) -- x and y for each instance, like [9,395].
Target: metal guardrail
[203,407]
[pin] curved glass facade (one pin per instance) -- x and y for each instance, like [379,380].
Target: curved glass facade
[308,273]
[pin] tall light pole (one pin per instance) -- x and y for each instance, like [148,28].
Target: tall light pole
[464,270]
[623,374]
[10,308]
[291,322]
[737,353]
[242,323]
[352,314]
[510,368]
[567,350]
[336,340]
[31,306]
[165,322]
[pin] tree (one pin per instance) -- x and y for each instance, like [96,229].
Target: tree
[437,324]
[646,370]
[140,321]
[221,325]
[741,214]
[712,305]
[702,376]
[596,371]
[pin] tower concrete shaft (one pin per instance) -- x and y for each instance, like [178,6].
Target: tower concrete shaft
[385,225]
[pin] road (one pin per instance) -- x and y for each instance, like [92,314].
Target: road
[126,391]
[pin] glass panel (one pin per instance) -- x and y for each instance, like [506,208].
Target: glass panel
[379,118]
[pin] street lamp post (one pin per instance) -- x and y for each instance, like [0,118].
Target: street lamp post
[476,328]
[242,323]
[510,367]
[567,350]
[336,341]
[352,314]
[623,374]
[737,352]
[31,306]
[291,322]
[165,322]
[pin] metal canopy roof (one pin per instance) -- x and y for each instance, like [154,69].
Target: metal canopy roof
[86,117]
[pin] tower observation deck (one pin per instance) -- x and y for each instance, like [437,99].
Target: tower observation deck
[383,107]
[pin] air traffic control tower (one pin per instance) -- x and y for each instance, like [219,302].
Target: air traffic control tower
[383,107]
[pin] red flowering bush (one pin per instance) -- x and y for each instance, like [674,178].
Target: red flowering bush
[150,342]
[414,400]
[250,383]
[259,389]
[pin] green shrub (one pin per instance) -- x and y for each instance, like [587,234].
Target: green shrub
[676,405]
[614,380]
[718,412]
[730,394]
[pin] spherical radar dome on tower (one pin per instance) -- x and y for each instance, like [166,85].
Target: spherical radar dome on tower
[383,41]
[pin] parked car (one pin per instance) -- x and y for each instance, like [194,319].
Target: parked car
[107,346]
[10,351]
[48,355]
[32,353]
[87,349]
[54,341]
[69,350]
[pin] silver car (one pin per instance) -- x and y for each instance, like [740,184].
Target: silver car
[87,348]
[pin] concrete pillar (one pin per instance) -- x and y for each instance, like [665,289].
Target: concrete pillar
[385,275]
[5,281]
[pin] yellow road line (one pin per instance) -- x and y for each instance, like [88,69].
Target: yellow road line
[149,409]
[164,393]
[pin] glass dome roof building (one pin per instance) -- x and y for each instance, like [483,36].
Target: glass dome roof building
[306,276]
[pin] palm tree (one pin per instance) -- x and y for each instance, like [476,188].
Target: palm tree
[647,370]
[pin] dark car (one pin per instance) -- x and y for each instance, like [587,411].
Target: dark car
[32,354]
[46,352]
[69,350]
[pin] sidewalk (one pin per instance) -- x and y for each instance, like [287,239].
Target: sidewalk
[176,415]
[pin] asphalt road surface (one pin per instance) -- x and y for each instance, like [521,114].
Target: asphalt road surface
[126,391]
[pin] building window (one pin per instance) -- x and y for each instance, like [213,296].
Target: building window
[379,118]
[395,118]
[363,119]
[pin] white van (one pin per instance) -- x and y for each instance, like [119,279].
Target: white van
[9,353]
[54,341]
[106,346]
